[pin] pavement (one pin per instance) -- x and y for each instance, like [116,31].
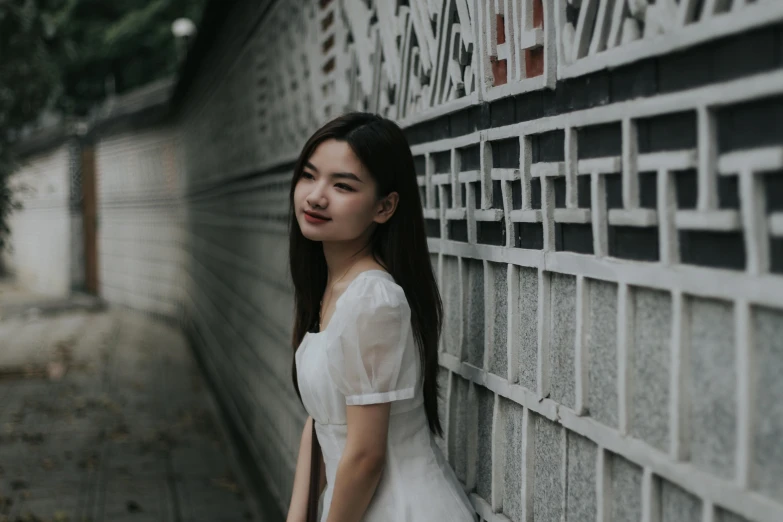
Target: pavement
[105,416]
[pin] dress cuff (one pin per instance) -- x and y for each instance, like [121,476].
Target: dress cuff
[378,398]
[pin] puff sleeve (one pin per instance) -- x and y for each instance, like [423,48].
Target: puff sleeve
[371,354]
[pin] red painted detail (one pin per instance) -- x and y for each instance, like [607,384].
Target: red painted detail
[534,62]
[501,27]
[538,13]
[499,67]
[499,71]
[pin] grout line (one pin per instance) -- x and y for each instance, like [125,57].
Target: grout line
[651,497]
[603,486]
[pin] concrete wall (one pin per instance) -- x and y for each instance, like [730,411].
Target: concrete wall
[44,251]
[603,194]
[141,244]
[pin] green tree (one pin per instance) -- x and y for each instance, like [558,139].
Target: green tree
[64,55]
[127,43]
[28,80]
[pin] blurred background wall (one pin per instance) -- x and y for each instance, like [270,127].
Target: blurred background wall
[45,253]
[602,188]
[139,182]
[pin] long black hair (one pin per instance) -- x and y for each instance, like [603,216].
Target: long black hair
[399,244]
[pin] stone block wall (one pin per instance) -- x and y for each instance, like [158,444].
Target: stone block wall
[602,189]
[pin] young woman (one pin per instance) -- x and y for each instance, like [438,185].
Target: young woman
[368,318]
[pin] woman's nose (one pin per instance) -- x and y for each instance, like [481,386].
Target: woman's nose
[316,196]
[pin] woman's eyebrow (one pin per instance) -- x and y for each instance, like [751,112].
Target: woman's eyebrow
[340,175]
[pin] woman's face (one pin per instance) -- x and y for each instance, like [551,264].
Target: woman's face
[336,186]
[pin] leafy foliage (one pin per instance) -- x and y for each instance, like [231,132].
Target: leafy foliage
[127,42]
[67,55]
[28,79]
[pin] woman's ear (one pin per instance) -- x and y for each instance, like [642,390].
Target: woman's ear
[386,208]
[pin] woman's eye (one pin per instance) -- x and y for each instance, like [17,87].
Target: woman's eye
[344,186]
[307,175]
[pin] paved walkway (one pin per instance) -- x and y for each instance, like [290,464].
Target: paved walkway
[104,416]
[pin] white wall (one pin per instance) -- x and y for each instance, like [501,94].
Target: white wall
[40,246]
[140,238]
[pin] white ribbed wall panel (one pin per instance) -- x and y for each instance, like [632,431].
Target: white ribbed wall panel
[141,248]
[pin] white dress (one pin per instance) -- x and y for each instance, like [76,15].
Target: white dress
[367,355]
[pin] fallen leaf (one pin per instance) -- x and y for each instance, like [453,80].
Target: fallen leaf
[55,370]
[121,431]
[29,517]
[17,484]
[133,506]
[33,438]
[226,483]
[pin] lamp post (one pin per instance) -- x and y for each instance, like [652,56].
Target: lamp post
[183,30]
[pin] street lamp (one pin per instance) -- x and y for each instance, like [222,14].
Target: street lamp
[183,30]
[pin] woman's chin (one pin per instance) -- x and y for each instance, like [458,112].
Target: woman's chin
[312,237]
[309,233]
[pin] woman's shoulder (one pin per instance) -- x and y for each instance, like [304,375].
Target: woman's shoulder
[374,288]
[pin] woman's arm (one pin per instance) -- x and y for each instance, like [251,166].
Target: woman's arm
[297,510]
[362,462]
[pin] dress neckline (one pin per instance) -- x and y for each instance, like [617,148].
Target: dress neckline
[382,273]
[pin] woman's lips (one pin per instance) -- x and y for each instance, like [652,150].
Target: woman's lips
[313,219]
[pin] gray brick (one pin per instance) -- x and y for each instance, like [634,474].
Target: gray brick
[581,478]
[602,350]
[474,337]
[649,360]
[486,402]
[452,305]
[548,480]
[498,362]
[712,386]
[443,391]
[514,461]
[528,327]
[767,457]
[626,486]
[678,505]
[458,427]
[562,338]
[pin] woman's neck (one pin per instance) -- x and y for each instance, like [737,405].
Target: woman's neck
[342,256]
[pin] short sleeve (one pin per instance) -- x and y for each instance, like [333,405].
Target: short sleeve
[370,356]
